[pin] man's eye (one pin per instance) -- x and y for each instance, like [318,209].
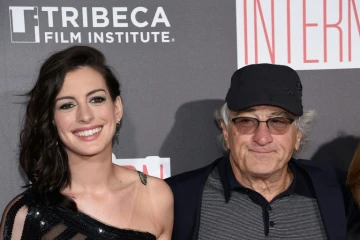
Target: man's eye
[97,100]
[67,106]
[244,120]
[279,120]
[275,120]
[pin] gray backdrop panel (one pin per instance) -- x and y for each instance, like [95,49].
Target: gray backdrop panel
[169,90]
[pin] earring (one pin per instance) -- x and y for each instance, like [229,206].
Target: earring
[56,143]
[117,126]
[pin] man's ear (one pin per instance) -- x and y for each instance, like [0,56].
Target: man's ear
[298,140]
[225,134]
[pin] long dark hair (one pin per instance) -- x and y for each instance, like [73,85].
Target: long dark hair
[42,155]
[353,178]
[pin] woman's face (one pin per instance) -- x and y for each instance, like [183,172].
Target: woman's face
[85,115]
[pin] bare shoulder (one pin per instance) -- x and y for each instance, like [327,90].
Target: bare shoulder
[126,175]
[159,189]
[162,200]
[161,197]
[156,196]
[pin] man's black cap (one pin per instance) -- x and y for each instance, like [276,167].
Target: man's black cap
[265,84]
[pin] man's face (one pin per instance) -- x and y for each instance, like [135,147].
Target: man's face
[260,154]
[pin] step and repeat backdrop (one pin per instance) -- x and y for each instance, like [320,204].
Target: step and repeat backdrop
[175,60]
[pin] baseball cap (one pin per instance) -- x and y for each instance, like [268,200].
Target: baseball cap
[265,84]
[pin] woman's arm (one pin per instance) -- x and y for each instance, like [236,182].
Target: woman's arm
[162,201]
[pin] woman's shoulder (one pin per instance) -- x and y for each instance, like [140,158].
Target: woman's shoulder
[21,201]
[155,197]
[15,214]
[156,186]
[159,187]
[162,202]
[156,189]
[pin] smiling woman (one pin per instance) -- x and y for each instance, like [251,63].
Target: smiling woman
[85,115]
[76,192]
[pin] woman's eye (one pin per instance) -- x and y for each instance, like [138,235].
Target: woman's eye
[67,106]
[97,100]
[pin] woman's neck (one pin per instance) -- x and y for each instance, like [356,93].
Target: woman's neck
[91,173]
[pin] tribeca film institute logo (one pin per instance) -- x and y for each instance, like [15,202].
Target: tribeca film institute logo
[33,24]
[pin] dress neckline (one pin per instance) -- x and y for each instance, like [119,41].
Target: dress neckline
[106,226]
[97,227]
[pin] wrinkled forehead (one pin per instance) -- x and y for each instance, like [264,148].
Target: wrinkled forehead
[266,110]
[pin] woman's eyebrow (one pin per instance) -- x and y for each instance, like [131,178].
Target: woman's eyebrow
[88,94]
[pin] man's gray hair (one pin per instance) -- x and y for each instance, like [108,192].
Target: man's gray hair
[303,124]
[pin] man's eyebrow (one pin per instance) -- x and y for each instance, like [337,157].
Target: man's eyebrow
[282,113]
[275,114]
[88,94]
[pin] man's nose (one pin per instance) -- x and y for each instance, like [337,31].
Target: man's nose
[262,135]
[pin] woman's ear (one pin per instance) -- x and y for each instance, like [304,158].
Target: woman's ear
[118,109]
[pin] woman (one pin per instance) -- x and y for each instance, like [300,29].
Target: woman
[76,192]
[353,181]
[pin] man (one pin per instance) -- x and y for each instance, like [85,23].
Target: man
[258,190]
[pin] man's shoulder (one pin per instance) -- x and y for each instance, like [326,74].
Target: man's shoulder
[319,166]
[198,175]
[328,171]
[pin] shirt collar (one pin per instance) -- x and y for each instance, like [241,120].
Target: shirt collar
[301,183]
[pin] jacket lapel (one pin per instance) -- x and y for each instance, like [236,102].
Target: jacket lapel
[330,200]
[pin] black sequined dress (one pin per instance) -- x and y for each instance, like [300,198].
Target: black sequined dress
[49,223]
